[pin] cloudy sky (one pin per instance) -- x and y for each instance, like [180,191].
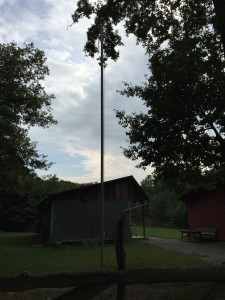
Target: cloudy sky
[74,143]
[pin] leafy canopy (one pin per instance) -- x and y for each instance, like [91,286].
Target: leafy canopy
[23,103]
[150,21]
[183,132]
[182,135]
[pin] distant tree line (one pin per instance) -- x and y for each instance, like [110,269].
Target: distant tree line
[18,206]
[164,208]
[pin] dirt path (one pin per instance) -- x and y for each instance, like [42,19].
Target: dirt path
[213,252]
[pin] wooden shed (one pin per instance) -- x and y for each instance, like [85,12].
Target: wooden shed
[206,209]
[75,215]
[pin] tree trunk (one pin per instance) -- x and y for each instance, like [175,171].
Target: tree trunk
[219,6]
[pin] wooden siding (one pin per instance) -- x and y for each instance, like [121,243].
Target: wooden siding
[75,214]
[125,188]
[81,219]
[207,209]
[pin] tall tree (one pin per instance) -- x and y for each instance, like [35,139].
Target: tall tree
[23,103]
[182,135]
[147,20]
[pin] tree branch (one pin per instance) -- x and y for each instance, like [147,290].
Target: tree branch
[219,138]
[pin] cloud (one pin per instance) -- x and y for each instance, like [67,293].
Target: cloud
[74,144]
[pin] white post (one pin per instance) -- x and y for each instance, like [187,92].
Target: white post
[102,155]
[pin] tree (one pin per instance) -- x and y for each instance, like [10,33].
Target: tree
[23,103]
[164,208]
[147,20]
[219,6]
[18,208]
[17,212]
[49,185]
[182,135]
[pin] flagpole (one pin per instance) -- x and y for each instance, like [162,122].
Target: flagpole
[102,155]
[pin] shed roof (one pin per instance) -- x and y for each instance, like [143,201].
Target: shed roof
[92,189]
[197,191]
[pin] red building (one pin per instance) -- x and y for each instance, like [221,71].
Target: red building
[206,208]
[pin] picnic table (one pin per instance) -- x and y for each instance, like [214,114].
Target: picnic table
[192,235]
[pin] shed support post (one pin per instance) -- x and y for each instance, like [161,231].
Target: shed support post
[120,255]
[52,222]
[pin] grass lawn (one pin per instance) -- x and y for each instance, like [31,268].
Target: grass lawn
[18,253]
[168,233]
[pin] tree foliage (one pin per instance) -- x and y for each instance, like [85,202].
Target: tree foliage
[18,208]
[147,20]
[23,103]
[164,208]
[182,134]
[51,184]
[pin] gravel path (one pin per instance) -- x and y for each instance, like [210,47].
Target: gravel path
[213,252]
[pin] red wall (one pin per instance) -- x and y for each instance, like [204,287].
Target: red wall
[207,209]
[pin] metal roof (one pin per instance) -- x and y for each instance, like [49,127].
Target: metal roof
[96,186]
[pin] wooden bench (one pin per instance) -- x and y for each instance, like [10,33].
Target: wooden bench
[199,234]
[207,233]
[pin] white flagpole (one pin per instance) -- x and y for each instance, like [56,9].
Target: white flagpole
[102,155]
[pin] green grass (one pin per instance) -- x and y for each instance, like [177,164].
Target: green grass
[142,254]
[19,254]
[162,232]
